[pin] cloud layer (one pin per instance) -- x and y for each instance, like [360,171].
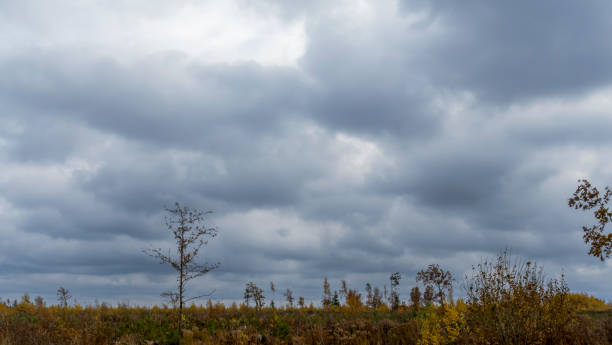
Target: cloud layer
[349,140]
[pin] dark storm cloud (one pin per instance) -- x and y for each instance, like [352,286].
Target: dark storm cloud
[364,84]
[520,49]
[406,134]
[85,222]
[83,258]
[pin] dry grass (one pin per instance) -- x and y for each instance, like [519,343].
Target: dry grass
[25,324]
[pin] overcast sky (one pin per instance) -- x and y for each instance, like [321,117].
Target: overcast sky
[347,139]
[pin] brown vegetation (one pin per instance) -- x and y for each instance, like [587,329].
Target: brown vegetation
[507,302]
[461,323]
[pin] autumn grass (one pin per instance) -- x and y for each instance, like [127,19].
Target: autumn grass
[25,323]
[507,301]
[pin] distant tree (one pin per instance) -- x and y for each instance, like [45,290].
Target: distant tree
[289,296]
[353,299]
[344,290]
[252,291]
[374,298]
[415,297]
[63,296]
[394,299]
[369,295]
[436,277]
[428,295]
[377,299]
[273,289]
[336,299]
[385,293]
[188,228]
[587,197]
[25,299]
[172,297]
[301,302]
[259,298]
[39,301]
[327,299]
[248,293]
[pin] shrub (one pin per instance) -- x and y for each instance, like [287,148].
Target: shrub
[511,303]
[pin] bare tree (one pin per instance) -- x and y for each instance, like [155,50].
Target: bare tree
[190,233]
[273,289]
[436,277]
[172,297]
[374,298]
[369,295]
[344,290]
[252,291]
[587,197]
[289,295]
[63,296]
[259,298]
[327,295]
[248,293]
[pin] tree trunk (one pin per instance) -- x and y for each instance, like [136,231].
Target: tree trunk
[181,278]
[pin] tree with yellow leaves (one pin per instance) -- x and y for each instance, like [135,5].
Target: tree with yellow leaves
[587,197]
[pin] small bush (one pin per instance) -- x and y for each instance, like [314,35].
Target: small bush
[511,303]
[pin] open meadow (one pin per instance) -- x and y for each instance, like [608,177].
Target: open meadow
[505,304]
[26,323]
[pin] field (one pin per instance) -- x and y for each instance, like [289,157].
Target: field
[506,302]
[587,321]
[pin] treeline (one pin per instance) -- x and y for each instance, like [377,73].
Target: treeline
[505,302]
[438,285]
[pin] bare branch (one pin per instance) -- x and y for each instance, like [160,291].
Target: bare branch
[200,296]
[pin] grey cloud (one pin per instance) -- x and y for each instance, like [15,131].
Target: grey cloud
[367,86]
[578,128]
[502,52]
[94,148]
[356,208]
[460,179]
[84,222]
[160,100]
[68,213]
[521,49]
[43,140]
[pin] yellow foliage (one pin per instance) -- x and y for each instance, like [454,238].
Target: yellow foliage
[584,302]
[441,327]
[383,308]
[353,300]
